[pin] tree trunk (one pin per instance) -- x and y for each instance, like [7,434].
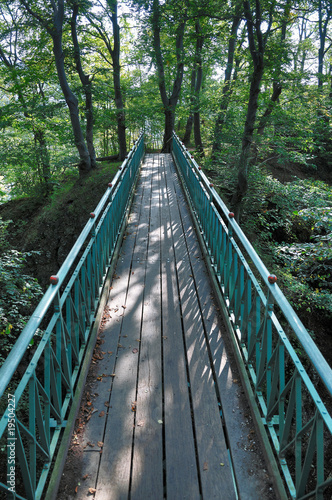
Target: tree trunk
[257,47]
[120,110]
[55,29]
[168,132]
[43,158]
[247,139]
[227,90]
[277,88]
[72,103]
[198,86]
[277,85]
[189,127]
[169,103]
[190,121]
[87,88]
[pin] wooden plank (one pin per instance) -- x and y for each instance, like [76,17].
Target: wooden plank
[211,444]
[181,467]
[115,464]
[110,335]
[125,306]
[247,457]
[147,475]
[147,471]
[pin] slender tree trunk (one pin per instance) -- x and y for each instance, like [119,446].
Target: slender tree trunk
[257,47]
[44,158]
[247,139]
[190,121]
[54,29]
[87,87]
[72,103]
[120,115]
[198,86]
[169,103]
[169,127]
[227,89]
[277,84]
[277,88]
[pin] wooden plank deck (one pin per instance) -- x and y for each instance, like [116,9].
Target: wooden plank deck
[164,415]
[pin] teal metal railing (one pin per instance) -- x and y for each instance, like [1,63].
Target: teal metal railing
[266,329]
[35,408]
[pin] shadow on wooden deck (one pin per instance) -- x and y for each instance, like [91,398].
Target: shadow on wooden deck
[164,414]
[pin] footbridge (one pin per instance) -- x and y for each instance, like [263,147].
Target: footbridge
[166,361]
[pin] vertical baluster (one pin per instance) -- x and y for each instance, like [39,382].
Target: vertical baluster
[58,349]
[32,430]
[320,454]
[68,323]
[281,399]
[47,388]
[298,428]
[256,327]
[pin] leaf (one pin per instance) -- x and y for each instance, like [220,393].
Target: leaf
[205,466]
[100,444]
[135,350]
[101,414]
[92,490]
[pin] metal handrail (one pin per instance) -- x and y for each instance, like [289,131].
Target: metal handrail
[263,322]
[60,351]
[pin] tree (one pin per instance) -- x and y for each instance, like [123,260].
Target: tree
[257,40]
[86,81]
[227,88]
[15,70]
[52,20]
[109,11]
[169,101]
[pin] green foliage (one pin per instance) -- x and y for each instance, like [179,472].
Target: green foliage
[19,293]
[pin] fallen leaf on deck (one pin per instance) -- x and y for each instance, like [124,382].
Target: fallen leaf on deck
[92,490]
[100,444]
[102,413]
[205,466]
[110,352]
[90,444]
[135,350]
[133,406]
[124,307]
[76,489]
[222,464]
[160,421]
[107,404]
[140,423]
[86,476]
